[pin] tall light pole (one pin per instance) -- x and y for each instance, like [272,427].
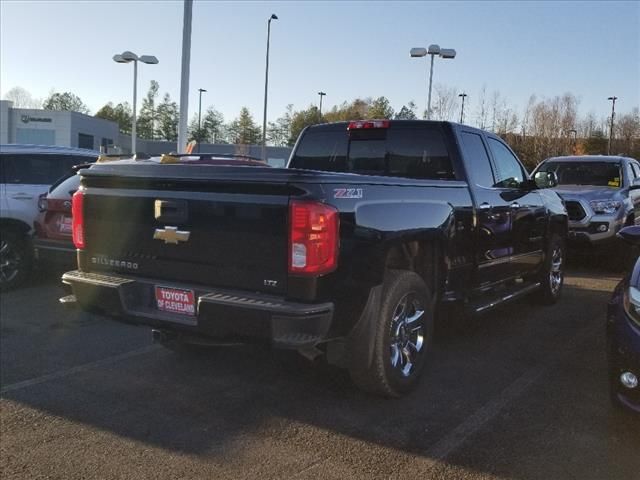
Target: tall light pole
[200,92]
[613,113]
[266,88]
[463,95]
[433,50]
[184,76]
[322,94]
[128,57]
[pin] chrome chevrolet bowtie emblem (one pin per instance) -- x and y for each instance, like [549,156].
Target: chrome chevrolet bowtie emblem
[171,235]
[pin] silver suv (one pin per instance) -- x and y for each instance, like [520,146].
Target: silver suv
[26,172]
[601,194]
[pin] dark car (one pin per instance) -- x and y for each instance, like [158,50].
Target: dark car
[623,333]
[345,253]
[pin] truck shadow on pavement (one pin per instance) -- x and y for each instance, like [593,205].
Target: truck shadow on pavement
[524,383]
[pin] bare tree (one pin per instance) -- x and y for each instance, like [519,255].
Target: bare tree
[22,98]
[482,111]
[627,129]
[446,103]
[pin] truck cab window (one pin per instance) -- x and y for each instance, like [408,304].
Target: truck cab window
[509,172]
[479,165]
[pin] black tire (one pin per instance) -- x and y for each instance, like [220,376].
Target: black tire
[551,276]
[15,258]
[396,339]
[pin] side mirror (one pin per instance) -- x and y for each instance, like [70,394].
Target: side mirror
[635,185]
[630,234]
[546,179]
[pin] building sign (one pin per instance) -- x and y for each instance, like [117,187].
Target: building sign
[27,119]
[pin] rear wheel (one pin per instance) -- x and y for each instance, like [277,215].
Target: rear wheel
[551,276]
[403,330]
[15,258]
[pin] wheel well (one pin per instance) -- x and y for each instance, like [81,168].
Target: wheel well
[12,224]
[421,257]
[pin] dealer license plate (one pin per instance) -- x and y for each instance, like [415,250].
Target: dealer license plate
[176,300]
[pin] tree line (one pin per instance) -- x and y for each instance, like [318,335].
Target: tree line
[546,127]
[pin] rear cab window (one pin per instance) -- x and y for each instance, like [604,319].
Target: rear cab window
[410,151]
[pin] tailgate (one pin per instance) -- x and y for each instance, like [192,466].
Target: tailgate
[227,234]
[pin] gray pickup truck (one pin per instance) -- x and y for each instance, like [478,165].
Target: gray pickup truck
[601,194]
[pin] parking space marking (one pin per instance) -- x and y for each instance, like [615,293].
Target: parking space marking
[451,442]
[78,369]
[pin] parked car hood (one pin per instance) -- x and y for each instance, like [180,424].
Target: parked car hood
[587,192]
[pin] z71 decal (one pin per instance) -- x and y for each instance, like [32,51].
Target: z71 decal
[347,193]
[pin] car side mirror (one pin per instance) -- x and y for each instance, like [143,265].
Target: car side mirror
[635,185]
[630,234]
[545,179]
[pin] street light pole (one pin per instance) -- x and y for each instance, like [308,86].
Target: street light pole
[613,113]
[184,75]
[128,57]
[200,91]
[463,95]
[322,94]
[266,88]
[430,84]
[135,102]
[433,50]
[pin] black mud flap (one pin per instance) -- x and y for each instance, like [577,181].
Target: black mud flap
[362,338]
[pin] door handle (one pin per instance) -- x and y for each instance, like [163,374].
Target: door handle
[22,196]
[515,205]
[485,206]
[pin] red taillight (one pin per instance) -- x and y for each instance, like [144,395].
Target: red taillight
[364,124]
[77,225]
[313,238]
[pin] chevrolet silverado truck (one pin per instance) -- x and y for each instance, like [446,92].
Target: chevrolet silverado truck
[602,195]
[346,253]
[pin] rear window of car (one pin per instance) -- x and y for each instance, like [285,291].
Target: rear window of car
[37,169]
[412,152]
[65,186]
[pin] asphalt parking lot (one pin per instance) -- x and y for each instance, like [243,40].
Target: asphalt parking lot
[521,394]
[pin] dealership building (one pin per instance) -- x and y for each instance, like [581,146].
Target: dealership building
[73,129]
[48,127]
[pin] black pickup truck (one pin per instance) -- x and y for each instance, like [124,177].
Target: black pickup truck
[347,252]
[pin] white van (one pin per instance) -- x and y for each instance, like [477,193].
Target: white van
[26,172]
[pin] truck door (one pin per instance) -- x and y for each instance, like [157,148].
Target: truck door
[494,246]
[527,209]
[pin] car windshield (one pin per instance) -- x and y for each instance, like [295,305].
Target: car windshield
[601,174]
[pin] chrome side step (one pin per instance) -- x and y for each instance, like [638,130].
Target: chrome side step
[507,296]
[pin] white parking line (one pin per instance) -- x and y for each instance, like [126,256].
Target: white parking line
[79,369]
[451,442]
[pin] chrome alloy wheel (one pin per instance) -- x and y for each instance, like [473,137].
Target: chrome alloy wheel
[9,262]
[556,273]
[407,334]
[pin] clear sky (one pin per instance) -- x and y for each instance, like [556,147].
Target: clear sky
[347,49]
